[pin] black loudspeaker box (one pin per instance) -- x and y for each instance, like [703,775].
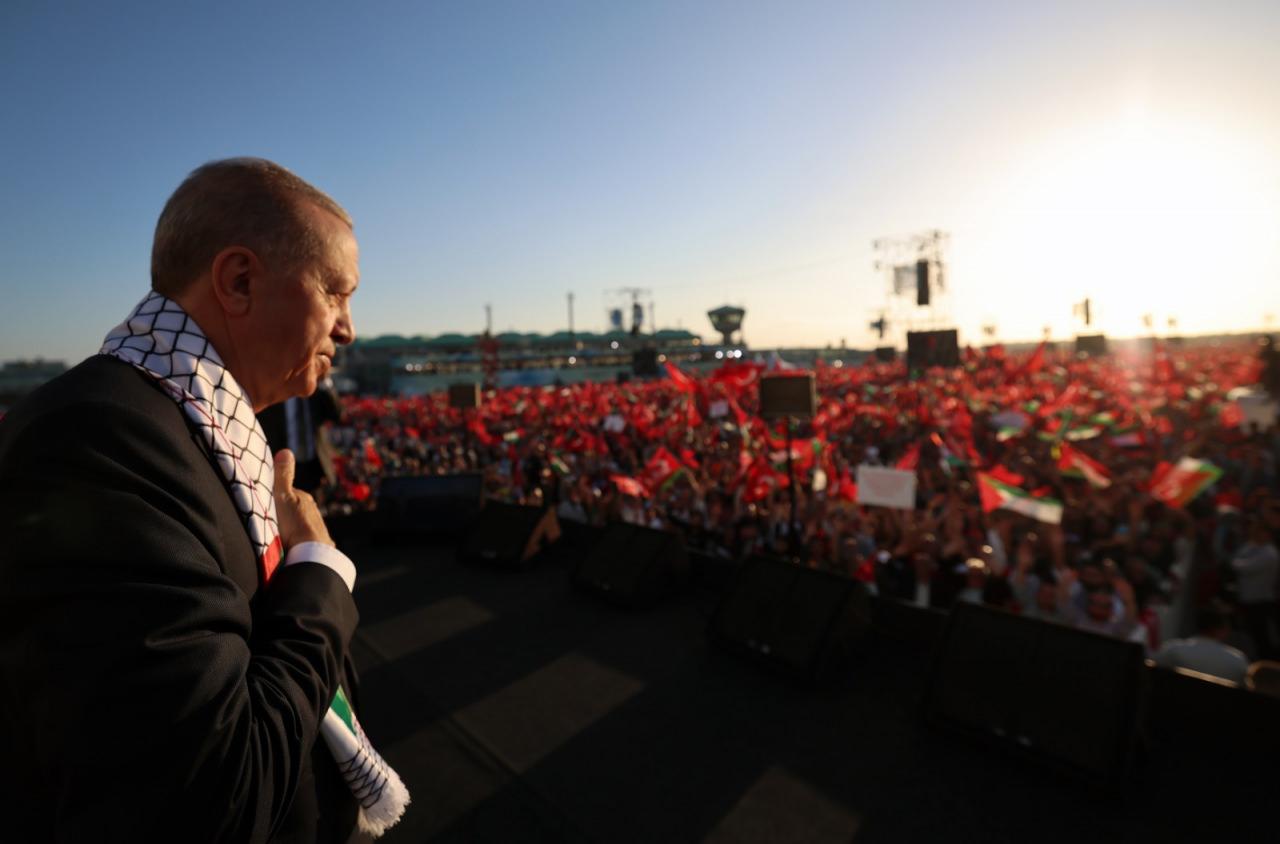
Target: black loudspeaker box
[1064,696]
[633,566]
[933,348]
[1091,345]
[427,505]
[886,354]
[787,395]
[805,622]
[509,534]
[464,396]
[922,283]
[644,363]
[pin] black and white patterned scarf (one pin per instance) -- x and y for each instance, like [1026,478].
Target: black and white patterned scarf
[164,342]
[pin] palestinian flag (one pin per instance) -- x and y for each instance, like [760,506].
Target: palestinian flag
[1007,433]
[997,495]
[1081,465]
[1006,476]
[1085,432]
[558,465]
[1178,485]
[1105,419]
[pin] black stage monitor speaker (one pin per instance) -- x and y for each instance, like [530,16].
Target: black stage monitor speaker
[644,363]
[1062,695]
[427,505]
[787,395]
[886,354]
[933,348]
[803,621]
[1203,721]
[1091,345]
[632,565]
[509,534]
[922,283]
[464,396]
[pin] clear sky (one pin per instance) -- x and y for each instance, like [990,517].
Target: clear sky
[716,152]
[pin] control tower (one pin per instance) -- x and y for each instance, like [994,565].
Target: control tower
[727,319]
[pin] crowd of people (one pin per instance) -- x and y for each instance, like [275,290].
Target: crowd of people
[1187,572]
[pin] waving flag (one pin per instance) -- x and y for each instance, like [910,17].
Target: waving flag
[663,469]
[1178,485]
[629,486]
[680,380]
[480,432]
[1000,473]
[910,459]
[1079,464]
[997,495]
[1031,366]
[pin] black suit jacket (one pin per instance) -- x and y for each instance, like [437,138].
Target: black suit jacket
[150,688]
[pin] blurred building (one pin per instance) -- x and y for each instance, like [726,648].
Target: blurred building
[19,377]
[396,364]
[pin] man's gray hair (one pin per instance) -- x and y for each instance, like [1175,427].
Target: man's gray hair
[248,202]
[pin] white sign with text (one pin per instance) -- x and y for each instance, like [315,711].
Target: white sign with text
[882,487]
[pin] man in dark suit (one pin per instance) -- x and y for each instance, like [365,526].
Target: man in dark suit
[174,619]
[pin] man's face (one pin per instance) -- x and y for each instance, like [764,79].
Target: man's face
[1092,577]
[303,315]
[1101,606]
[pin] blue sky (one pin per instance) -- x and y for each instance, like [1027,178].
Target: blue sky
[743,152]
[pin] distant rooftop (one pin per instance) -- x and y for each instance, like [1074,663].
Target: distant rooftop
[515,338]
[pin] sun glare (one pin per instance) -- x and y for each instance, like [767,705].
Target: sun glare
[1145,216]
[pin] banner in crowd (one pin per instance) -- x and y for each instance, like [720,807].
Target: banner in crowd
[1255,408]
[882,487]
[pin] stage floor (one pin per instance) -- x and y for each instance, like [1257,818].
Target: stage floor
[518,709]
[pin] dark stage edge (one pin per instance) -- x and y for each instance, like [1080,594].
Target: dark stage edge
[520,710]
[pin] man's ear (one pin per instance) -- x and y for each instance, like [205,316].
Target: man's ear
[237,275]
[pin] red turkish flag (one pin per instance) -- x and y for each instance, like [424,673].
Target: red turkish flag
[629,486]
[680,380]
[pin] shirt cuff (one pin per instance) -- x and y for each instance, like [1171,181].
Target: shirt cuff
[325,555]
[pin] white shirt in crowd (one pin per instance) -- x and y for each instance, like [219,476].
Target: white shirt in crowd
[999,557]
[572,511]
[1256,569]
[1208,656]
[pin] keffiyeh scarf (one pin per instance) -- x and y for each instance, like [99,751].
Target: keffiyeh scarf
[161,340]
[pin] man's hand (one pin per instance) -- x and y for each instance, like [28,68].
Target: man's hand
[296,511]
